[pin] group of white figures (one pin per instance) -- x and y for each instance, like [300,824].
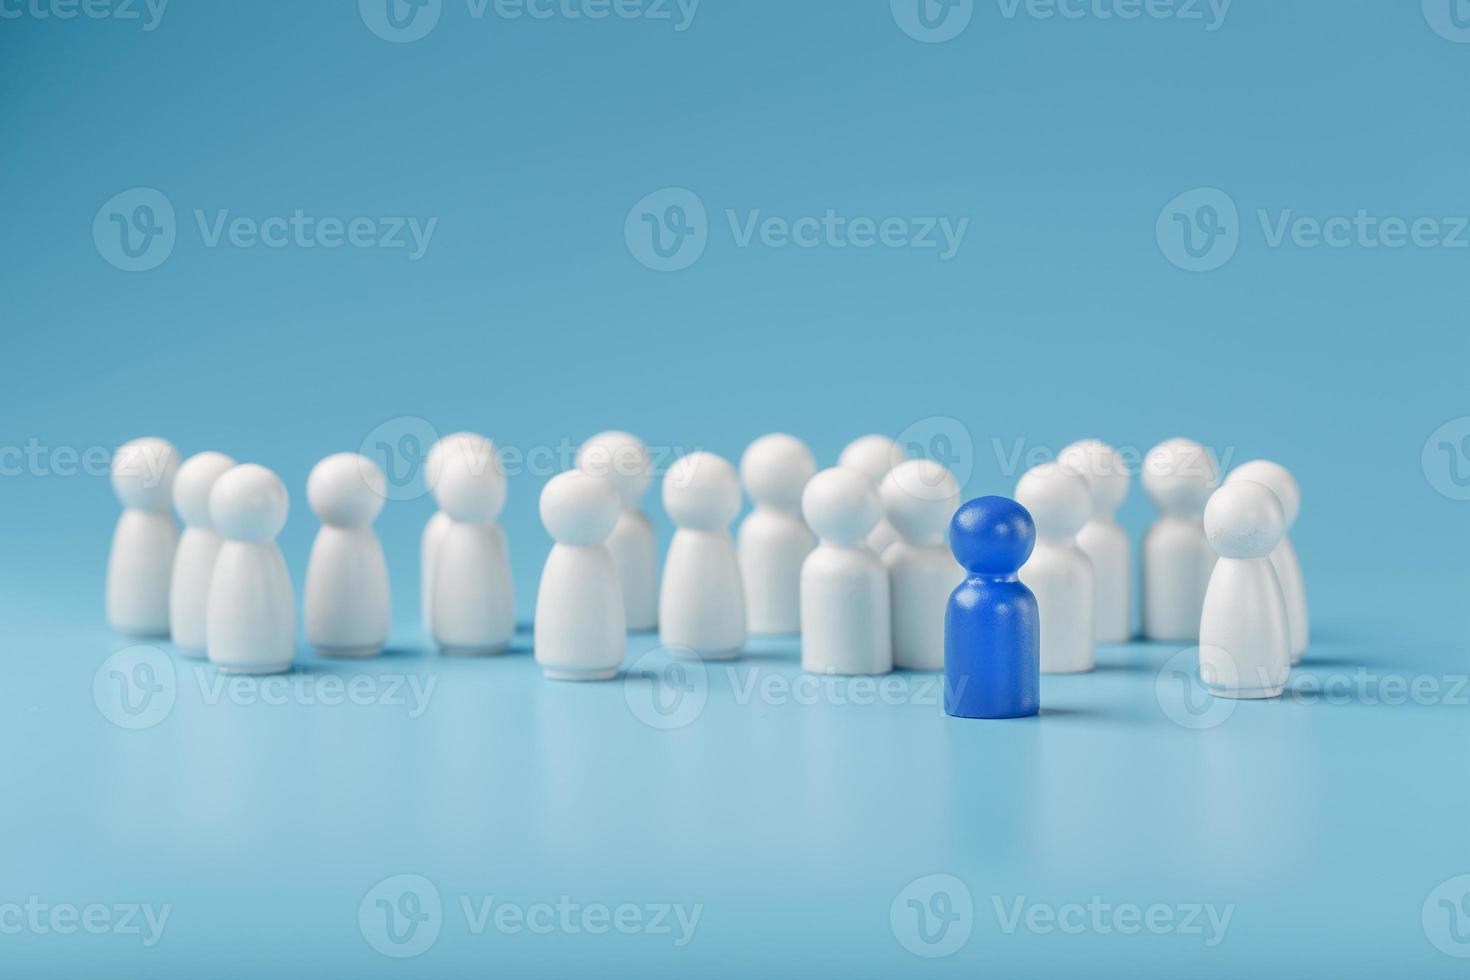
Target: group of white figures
[853,558]
[1218,569]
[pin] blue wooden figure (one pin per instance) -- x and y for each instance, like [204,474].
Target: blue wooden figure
[992,628]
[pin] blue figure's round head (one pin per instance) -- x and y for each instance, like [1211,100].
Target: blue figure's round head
[992,536]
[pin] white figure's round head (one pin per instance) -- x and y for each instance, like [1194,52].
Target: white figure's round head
[1103,468]
[346,490]
[873,456]
[1244,520]
[249,503]
[702,492]
[841,505]
[471,486]
[143,474]
[621,458]
[193,483]
[920,498]
[1057,498]
[579,508]
[775,469]
[1180,474]
[470,444]
[1276,477]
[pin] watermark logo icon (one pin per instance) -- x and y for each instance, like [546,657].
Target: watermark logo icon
[401,916]
[667,691]
[135,229]
[135,688]
[1449,18]
[1199,231]
[667,230]
[400,21]
[1446,917]
[943,440]
[1184,697]
[400,447]
[932,21]
[1446,459]
[933,916]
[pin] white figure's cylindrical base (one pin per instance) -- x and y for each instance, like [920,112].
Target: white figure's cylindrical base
[250,620]
[634,551]
[254,668]
[771,547]
[702,601]
[428,560]
[1289,572]
[141,632]
[1245,643]
[139,568]
[1177,562]
[1257,694]
[686,653]
[371,650]
[347,600]
[846,618]
[580,631]
[920,580]
[553,674]
[1106,545]
[473,651]
[188,595]
[474,601]
[193,653]
[1061,577]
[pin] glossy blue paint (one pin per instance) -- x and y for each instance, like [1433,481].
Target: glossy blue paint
[992,628]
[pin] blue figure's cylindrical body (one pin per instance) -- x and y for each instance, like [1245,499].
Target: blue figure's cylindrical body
[992,627]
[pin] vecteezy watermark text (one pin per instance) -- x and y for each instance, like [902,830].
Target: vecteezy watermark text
[836,231]
[752,684]
[35,917]
[147,13]
[1201,230]
[405,21]
[1015,456]
[1186,700]
[400,446]
[935,915]
[566,917]
[40,460]
[136,230]
[1103,918]
[410,691]
[1210,14]
[137,688]
[301,230]
[403,915]
[667,688]
[937,21]
[669,230]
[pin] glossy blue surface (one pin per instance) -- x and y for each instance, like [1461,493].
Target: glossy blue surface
[992,627]
[806,820]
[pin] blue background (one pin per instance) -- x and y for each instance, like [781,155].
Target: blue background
[530,319]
